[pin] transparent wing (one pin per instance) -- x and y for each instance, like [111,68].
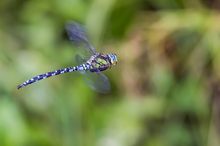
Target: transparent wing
[78,36]
[97,81]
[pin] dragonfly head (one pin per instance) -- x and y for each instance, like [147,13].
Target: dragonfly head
[113,58]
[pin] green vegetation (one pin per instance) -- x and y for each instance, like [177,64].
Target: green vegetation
[165,87]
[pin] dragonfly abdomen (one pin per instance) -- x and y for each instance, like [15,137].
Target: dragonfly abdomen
[82,67]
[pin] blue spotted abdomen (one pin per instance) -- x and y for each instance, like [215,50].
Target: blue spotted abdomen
[82,67]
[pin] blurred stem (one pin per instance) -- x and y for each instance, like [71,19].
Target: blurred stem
[213,136]
[97,17]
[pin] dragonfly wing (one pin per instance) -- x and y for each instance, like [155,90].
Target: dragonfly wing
[78,36]
[97,81]
[79,59]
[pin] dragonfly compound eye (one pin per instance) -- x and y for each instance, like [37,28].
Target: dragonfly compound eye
[113,59]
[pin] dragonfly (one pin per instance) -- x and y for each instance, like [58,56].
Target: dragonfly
[90,65]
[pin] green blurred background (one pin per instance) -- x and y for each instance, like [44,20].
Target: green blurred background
[165,87]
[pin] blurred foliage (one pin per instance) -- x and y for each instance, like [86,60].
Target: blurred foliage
[165,87]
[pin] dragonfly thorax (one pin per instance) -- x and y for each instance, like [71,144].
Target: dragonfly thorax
[101,62]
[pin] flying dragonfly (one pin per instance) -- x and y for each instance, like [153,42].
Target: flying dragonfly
[91,66]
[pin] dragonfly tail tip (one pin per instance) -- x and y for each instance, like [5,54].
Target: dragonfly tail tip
[19,86]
